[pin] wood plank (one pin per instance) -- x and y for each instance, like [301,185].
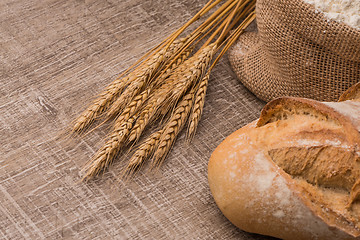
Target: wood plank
[55,55]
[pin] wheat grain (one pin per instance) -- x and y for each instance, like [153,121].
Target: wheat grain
[169,69]
[143,152]
[139,100]
[198,106]
[111,93]
[176,46]
[160,82]
[131,109]
[141,76]
[173,127]
[173,88]
[100,104]
[105,155]
[145,116]
[144,75]
[192,71]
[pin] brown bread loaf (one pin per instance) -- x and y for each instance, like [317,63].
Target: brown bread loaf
[295,172]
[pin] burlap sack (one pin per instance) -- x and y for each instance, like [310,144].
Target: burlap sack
[296,52]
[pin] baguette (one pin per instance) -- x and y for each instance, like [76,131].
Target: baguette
[295,172]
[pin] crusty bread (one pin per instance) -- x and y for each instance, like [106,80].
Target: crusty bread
[295,172]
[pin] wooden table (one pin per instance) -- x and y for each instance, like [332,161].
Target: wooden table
[55,55]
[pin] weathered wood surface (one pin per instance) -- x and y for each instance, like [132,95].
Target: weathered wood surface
[54,56]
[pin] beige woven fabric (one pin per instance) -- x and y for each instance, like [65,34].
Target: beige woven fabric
[55,55]
[296,52]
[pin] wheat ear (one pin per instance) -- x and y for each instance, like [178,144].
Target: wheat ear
[111,93]
[145,115]
[143,152]
[140,99]
[197,109]
[105,155]
[100,104]
[144,75]
[132,107]
[141,78]
[172,66]
[173,88]
[190,73]
[173,127]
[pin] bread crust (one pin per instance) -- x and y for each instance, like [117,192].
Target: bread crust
[353,93]
[294,173]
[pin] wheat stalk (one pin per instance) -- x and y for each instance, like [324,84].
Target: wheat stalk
[141,80]
[146,114]
[105,155]
[171,67]
[173,127]
[117,139]
[197,110]
[173,88]
[140,99]
[165,84]
[108,97]
[132,107]
[100,104]
[144,75]
[143,152]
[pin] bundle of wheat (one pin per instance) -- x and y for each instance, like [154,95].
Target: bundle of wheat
[165,84]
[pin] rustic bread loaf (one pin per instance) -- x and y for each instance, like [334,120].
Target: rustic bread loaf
[295,172]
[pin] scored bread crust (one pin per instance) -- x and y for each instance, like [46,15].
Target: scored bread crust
[353,93]
[294,173]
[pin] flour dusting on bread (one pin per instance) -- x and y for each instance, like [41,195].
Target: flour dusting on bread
[294,173]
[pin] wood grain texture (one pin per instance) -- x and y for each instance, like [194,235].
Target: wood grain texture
[55,55]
